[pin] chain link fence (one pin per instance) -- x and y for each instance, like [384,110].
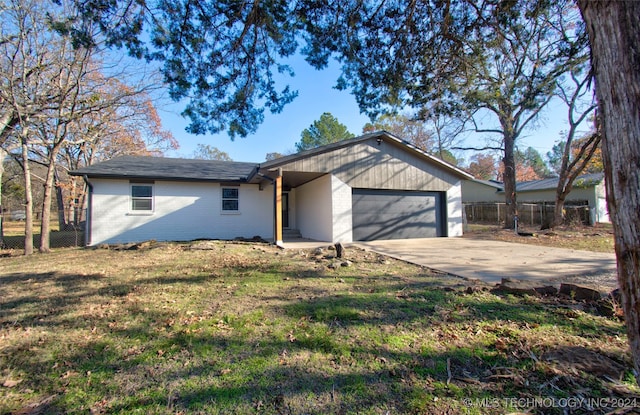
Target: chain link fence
[529,214]
[13,231]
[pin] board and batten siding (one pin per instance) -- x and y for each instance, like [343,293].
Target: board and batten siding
[183,211]
[368,165]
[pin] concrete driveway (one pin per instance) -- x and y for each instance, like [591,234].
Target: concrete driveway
[490,261]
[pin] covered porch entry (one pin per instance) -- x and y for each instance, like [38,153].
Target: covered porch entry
[309,205]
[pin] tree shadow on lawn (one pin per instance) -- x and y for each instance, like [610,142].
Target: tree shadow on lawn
[204,373]
[425,301]
[357,350]
[35,298]
[197,374]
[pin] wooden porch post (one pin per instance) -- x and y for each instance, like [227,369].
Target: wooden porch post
[277,234]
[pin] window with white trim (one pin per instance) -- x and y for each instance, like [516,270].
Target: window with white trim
[141,197]
[230,199]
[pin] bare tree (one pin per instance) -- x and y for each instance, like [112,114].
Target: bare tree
[69,75]
[67,92]
[25,89]
[406,127]
[447,130]
[124,121]
[573,163]
[430,132]
[209,152]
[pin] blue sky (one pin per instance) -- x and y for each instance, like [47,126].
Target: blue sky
[279,132]
[316,95]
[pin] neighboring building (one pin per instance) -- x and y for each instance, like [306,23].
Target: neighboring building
[474,191]
[587,189]
[371,187]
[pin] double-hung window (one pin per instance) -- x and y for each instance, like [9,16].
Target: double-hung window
[230,199]
[141,197]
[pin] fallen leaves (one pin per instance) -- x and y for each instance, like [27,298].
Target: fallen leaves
[373,330]
[11,383]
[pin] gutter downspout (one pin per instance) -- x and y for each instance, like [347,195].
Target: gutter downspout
[87,225]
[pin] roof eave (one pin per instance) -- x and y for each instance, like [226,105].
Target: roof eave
[158,178]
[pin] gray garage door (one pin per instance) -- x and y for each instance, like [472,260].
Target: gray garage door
[383,214]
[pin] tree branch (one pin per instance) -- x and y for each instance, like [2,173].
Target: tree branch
[478,148]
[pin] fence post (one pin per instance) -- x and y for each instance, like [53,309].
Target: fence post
[531,209]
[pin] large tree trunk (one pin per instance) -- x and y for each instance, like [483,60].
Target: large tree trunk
[614,33]
[64,217]
[3,155]
[509,179]
[45,227]
[558,210]
[28,196]
[7,122]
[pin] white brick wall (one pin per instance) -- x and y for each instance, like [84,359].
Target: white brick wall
[454,210]
[313,209]
[342,211]
[182,211]
[323,210]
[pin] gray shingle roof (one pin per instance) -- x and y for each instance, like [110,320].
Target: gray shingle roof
[160,168]
[585,180]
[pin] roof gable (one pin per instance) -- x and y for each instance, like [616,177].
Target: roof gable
[379,137]
[376,160]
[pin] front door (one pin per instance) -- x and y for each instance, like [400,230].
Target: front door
[285,210]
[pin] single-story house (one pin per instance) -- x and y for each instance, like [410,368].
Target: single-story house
[375,186]
[588,189]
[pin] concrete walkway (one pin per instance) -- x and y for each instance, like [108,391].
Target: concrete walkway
[490,261]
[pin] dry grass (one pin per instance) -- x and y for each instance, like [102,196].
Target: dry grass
[597,238]
[16,227]
[247,328]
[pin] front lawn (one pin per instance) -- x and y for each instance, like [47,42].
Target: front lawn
[247,328]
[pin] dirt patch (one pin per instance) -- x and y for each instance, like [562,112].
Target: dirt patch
[597,238]
[570,359]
